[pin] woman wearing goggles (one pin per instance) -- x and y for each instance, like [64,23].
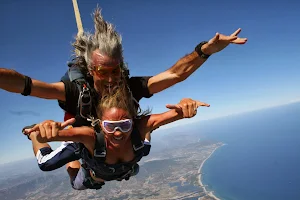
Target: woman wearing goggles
[117,118]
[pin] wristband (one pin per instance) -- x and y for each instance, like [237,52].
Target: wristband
[199,51]
[27,88]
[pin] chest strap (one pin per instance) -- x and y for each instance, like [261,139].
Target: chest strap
[84,105]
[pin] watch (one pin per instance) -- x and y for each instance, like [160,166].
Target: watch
[199,51]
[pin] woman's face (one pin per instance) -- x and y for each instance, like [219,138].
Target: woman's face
[117,124]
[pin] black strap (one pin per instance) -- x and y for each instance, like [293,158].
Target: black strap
[84,107]
[79,148]
[100,145]
[137,142]
[85,102]
[27,87]
[89,182]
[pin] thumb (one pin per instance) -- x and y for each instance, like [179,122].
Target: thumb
[216,38]
[171,106]
[28,130]
[67,123]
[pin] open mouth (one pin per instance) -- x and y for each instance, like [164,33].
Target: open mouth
[118,138]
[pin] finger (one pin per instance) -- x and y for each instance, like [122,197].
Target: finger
[42,131]
[30,130]
[232,38]
[216,38]
[195,107]
[185,110]
[239,41]
[55,128]
[48,129]
[235,33]
[199,103]
[67,123]
[171,106]
[192,108]
[227,38]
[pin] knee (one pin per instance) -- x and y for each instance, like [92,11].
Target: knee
[45,167]
[45,162]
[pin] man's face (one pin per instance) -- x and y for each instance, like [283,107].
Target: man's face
[105,70]
[116,117]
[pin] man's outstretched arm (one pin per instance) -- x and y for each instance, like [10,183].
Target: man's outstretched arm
[185,66]
[13,81]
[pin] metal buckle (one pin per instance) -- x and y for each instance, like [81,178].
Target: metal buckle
[95,122]
[85,93]
[99,155]
[113,170]
[138,148]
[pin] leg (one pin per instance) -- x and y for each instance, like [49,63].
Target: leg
[48,159]
[78,180]
[73,168]
[36,145]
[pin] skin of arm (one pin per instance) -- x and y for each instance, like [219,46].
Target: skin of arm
[77,134]
[181,70]
[84,135]
[13,81]
[151,122]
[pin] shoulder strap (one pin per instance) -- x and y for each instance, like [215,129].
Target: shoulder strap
[100,145]
[84,107]
[137,143]
[75,73]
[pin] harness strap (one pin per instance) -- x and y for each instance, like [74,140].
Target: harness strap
[100,145]
[137,142]
[74,73]
[84,106]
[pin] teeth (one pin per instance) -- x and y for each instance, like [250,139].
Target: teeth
[118,138]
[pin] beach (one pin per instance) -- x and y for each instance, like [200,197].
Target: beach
[209,193]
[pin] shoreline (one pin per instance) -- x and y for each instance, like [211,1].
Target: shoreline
[209,193]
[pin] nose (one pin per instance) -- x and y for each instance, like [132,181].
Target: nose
[110,78]
[118,133]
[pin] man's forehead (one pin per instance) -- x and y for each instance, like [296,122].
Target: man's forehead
[99,58]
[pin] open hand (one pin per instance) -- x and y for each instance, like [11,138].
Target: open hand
[220,42]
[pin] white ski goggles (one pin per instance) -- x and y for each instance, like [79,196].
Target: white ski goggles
[111,126]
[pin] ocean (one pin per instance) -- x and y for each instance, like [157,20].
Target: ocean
[261,158]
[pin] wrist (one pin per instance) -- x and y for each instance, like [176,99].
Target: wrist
[205,49]
[202,50]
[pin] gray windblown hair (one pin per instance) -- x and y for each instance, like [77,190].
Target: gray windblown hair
[106,39]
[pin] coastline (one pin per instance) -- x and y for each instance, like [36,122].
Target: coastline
[209,193]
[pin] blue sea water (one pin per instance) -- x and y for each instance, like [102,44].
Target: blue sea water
[261,160]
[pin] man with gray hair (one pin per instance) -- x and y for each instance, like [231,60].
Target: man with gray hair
[101,62]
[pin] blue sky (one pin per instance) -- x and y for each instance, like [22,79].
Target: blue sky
[35,40]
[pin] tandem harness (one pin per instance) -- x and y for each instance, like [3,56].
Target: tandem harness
[108,172]
[96,164]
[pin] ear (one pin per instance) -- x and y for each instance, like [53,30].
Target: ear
[91,72]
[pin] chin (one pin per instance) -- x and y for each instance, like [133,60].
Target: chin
[116,144]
